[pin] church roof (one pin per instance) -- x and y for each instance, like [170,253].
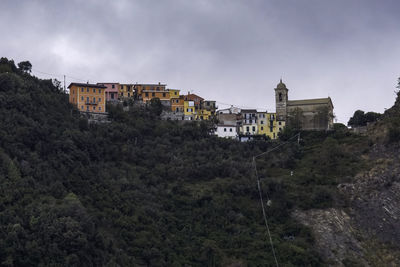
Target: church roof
[281,85]
[316,101]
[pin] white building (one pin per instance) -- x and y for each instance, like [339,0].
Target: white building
[231,110]
[249,122]
[226,131]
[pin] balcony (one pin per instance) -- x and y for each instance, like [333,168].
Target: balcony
[91,103]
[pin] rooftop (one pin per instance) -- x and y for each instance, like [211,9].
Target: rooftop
[87,85]
[316,101]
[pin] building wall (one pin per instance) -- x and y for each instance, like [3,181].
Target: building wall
[177,104]
[226,131]
[203,114]
[126,90]
[139,88]
[311,116]
[148,95]
[173,93]
[112,90]
[87,98]
[189,108]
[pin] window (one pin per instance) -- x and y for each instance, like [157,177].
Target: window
[81,98]
[280,97]
[262,122]
[73,99]
[177,109]
[254,128]
[87,89]
[280,123]
[87,108]
[176,93]
[73,91]
[81,107]
[94,90]
[262,128]
[163,94]
[224,129]
[112,96]
[247,129]
[280,129]
[153,94]
[94,99]
[146,94]
[82,89]
[87,99]
[129,94]
[112,86]
[99,108]
[94,107]
[99,99]
[230,129]
[274,135]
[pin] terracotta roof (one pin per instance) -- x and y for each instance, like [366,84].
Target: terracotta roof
[87,85]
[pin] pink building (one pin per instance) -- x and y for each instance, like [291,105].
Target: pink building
[111,90]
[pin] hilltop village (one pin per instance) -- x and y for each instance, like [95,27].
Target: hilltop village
[233,122]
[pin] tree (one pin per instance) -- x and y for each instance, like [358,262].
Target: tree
[156,106]
[361,119]
[25,66]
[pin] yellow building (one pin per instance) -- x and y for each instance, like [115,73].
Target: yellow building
[125,90]
[273,125]
[203,114]
[173,93]
[189,110]
[262,123]
[88,97]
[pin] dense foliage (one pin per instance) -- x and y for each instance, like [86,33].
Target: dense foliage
[360,118]
[143,192]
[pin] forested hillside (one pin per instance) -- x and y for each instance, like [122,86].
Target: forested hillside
[144,192]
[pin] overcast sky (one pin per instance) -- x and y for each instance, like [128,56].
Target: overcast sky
[231,51]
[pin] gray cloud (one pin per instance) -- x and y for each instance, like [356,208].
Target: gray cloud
[231,51]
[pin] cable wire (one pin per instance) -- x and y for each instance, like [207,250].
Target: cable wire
[261,195]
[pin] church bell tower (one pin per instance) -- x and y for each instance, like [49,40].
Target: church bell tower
[281,100]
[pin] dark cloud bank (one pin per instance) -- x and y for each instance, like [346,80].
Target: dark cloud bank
[231,51]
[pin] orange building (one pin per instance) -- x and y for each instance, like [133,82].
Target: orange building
[88,97]
[178,104]
[126,90]
[142,89]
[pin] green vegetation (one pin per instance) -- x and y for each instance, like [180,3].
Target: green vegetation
[360,118]
[143,192]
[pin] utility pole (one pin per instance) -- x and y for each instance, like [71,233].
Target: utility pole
[65,89]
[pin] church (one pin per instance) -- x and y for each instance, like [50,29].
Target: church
[306,114]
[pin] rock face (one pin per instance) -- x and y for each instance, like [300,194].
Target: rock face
[367,231]
[335,235]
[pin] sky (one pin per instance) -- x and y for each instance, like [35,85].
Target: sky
[231,51]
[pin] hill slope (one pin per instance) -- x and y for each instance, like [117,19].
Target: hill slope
[145,192]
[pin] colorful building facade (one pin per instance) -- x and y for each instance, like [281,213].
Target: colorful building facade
[126,90]
[88,97]
[112,90]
